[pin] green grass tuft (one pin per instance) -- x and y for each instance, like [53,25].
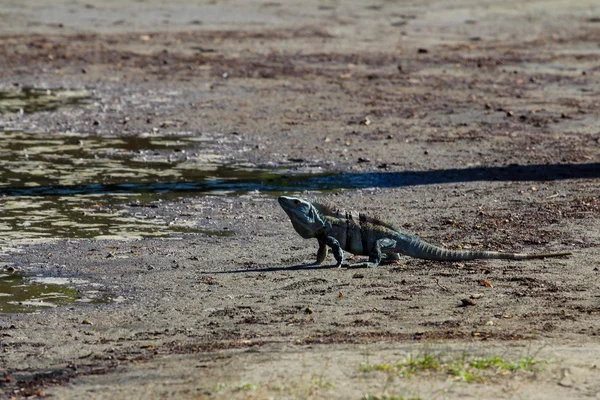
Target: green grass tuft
[246,387]
[463,368]
[419,364]
[364,367]
[386,397]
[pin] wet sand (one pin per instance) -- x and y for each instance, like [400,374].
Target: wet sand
[472,124]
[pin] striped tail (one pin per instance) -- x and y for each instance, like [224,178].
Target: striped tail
[415,247]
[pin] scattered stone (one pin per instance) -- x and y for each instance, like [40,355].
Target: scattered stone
[569,376]
[209,280]
[393,297]
[467,302]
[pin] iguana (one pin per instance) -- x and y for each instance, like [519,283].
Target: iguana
[370,236]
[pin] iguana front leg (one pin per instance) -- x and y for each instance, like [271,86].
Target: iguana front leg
[321,253]
[332,242]
[375,254]
[338,253]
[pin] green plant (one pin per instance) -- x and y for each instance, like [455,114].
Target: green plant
[416,364]
[464,368]
[364,367]
[246,387]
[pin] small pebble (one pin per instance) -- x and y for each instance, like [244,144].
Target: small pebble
[467,302]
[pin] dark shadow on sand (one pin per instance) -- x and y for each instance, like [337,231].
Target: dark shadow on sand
[290,182]
[304,267]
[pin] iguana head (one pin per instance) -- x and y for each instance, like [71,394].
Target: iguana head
[304,216]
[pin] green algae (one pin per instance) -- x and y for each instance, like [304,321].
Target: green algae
[29,100]
[66,185]
[21,294]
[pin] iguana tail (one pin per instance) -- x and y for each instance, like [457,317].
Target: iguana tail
[415,247]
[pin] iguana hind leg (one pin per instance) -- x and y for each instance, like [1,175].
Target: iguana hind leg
[391,258]
[376,251]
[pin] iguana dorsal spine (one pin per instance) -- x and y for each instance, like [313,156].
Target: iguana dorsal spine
[371,236]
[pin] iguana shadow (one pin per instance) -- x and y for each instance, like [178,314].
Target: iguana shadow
[331,180]
[299,267]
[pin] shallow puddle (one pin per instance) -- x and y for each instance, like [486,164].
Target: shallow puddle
[20,294]
[78,186]
[28,100]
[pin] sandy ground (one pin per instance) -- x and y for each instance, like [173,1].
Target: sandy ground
[470,123]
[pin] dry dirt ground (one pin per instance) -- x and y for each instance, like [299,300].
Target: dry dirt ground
[470,123]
